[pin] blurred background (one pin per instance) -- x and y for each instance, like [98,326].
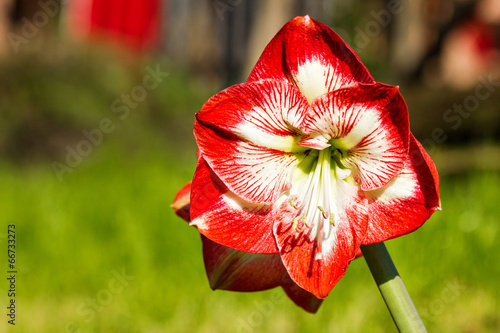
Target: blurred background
[97,102]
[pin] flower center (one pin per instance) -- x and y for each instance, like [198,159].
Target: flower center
[313,192]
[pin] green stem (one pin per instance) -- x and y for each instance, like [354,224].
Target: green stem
[392,288]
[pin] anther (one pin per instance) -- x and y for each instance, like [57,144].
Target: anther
[295,222]
[332,221]
[322,210]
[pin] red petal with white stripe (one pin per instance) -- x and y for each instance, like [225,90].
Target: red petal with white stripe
[224,218]
[369,125]
[255,174]
[316,261]
[407,201]
[248,135]
[311,56]
[267,113]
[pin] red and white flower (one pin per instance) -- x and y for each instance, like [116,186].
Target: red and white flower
[308,160]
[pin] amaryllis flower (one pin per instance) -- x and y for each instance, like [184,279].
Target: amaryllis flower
[308,160]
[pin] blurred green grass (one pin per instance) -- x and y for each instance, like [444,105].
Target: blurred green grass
[110,216]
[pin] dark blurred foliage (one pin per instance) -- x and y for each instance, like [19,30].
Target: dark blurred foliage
[47,100]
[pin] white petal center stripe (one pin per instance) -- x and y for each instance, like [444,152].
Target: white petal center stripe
[401,187]
[373,158]
[366,122]
[261,138]
[263,173]
[281,108]
[236,203]
[274,122]
[314,79]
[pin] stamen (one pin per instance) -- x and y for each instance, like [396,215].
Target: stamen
[314,201]
[303,226]
[319,253]
[304,221]
[325,213]
[295,222]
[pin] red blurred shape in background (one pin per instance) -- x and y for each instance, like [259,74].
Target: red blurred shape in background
[132,23]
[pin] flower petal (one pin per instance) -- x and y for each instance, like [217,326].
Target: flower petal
[317,257]
[255,174]
[311,56]
[370,127]
[181,205]
[301,297]
[233,270]
[407,201]
[267,113]
[229,269]
[224,218]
